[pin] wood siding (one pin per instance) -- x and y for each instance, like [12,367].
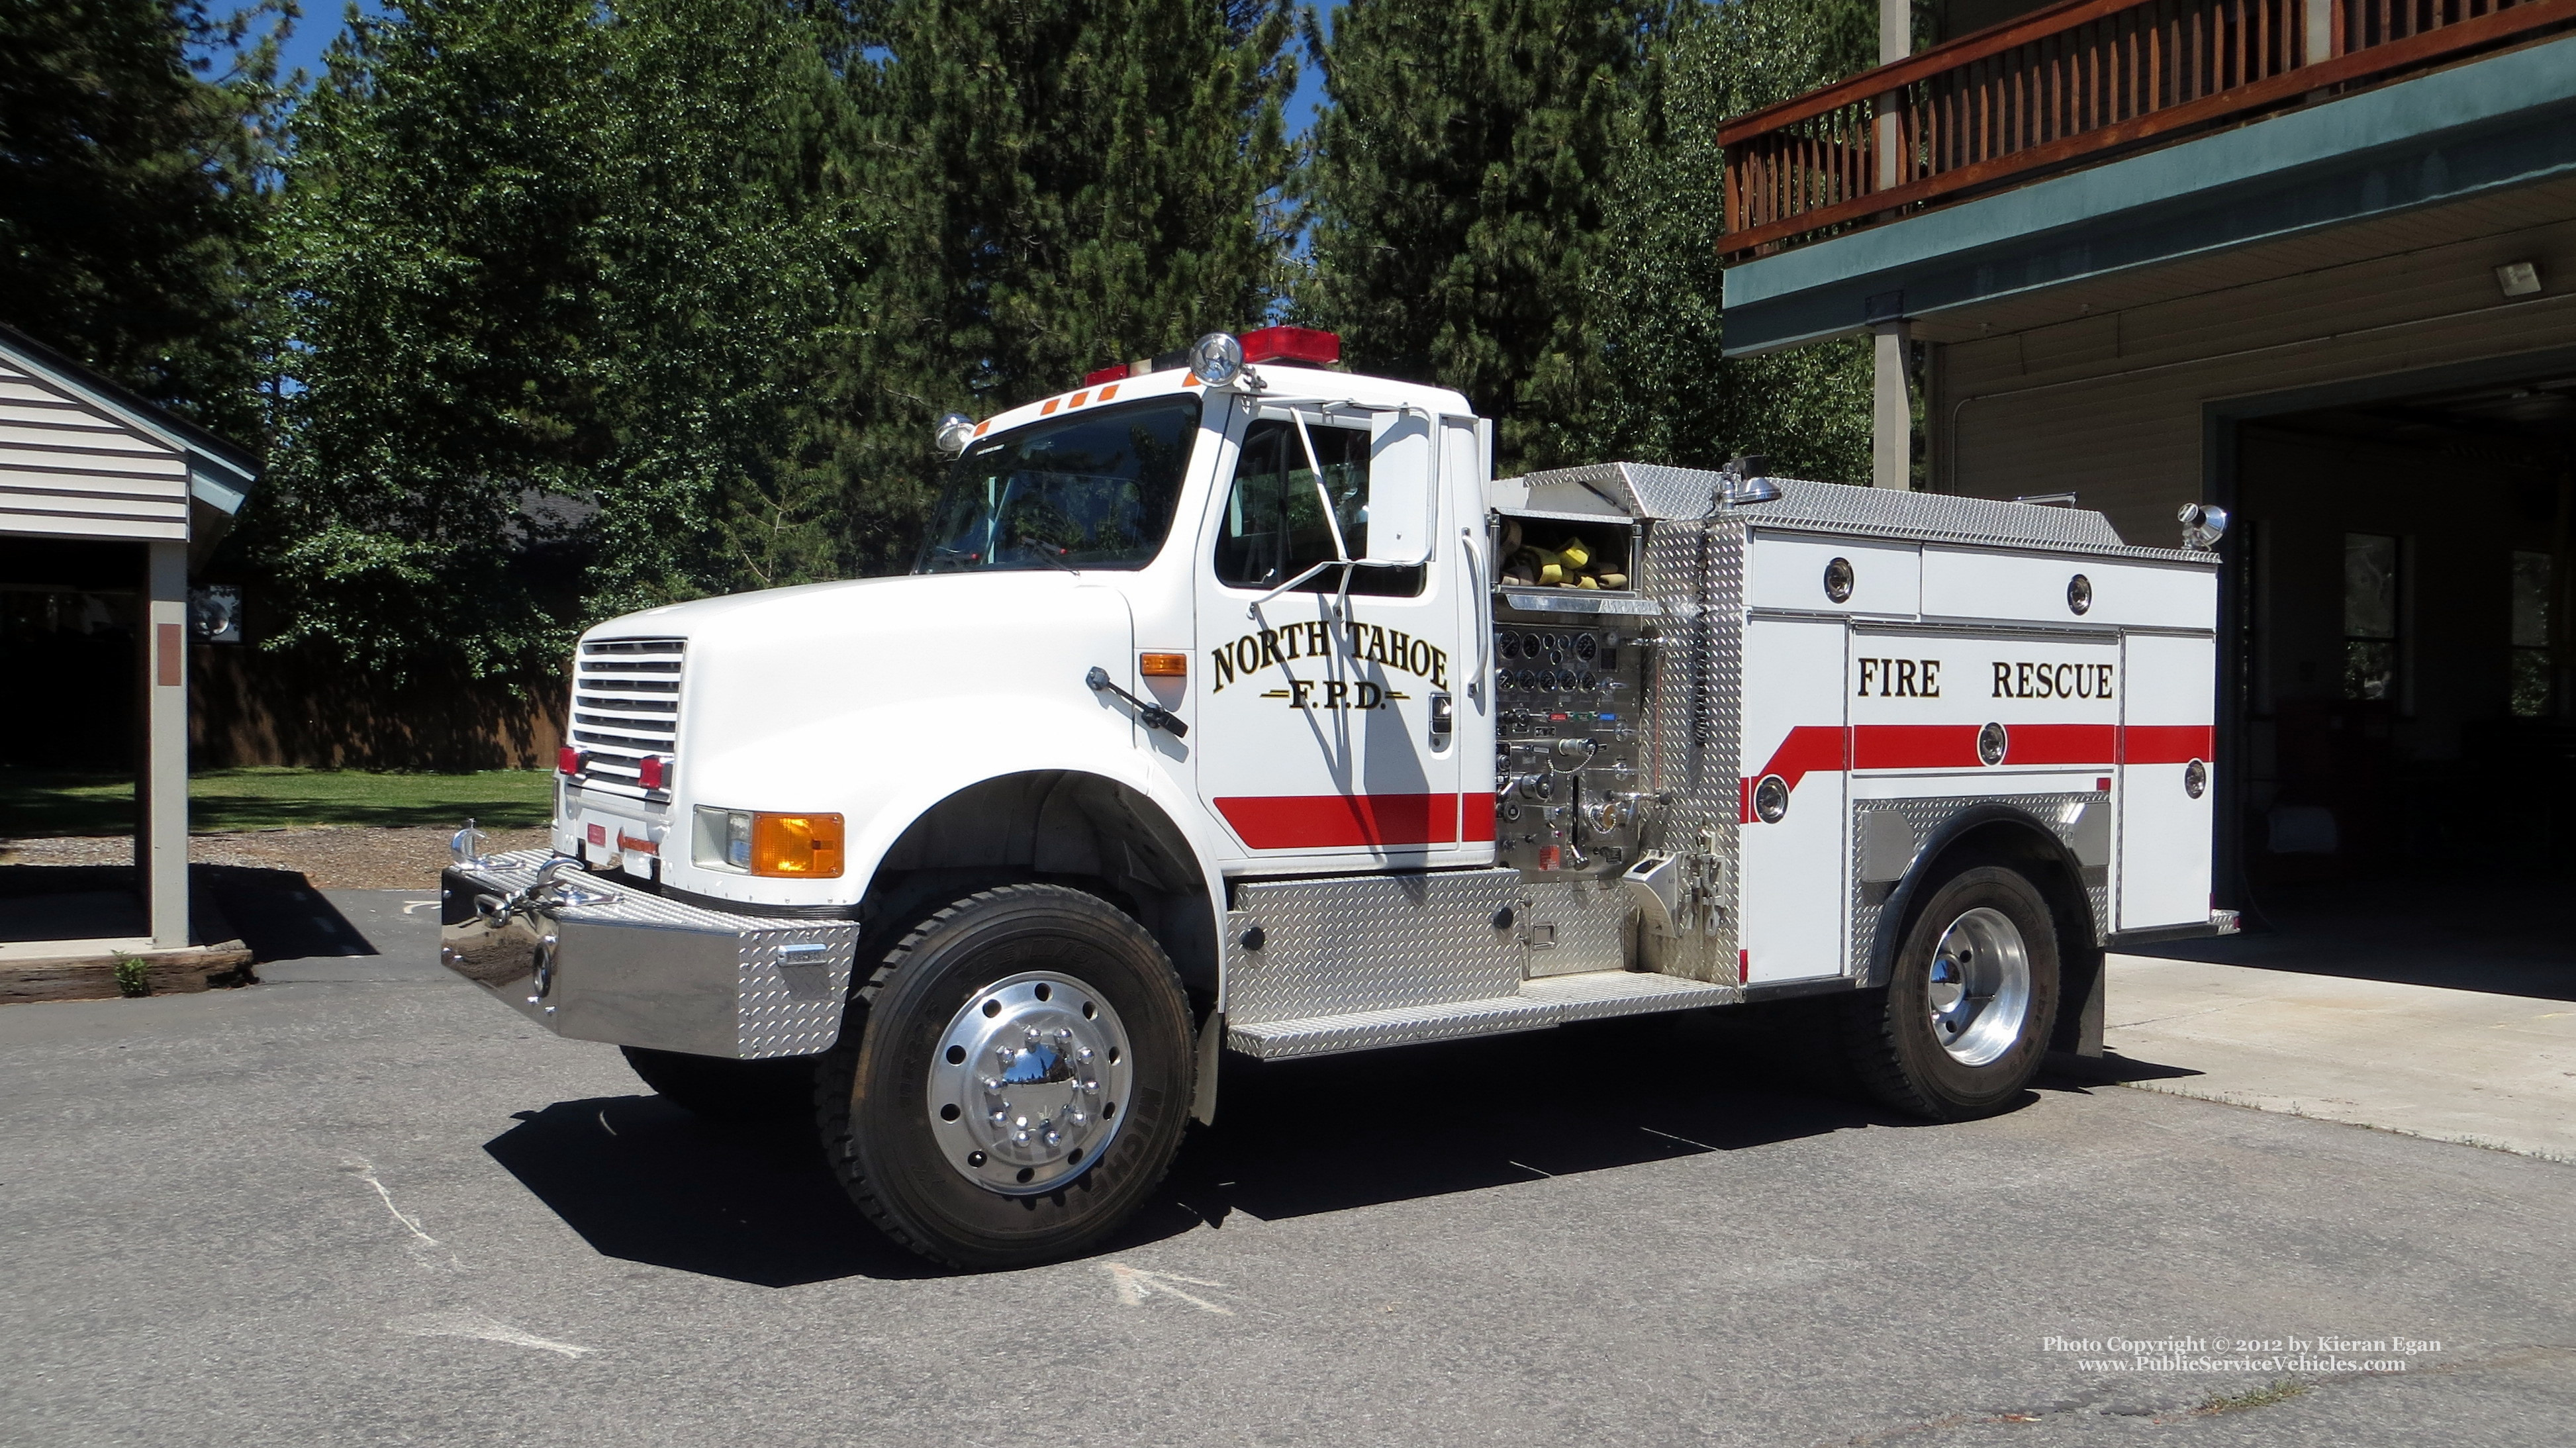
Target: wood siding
[2111,403]
[67,468]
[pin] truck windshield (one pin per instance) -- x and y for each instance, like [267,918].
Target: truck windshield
[1095,490]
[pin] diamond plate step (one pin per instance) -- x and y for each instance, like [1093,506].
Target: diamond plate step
[1537,1005]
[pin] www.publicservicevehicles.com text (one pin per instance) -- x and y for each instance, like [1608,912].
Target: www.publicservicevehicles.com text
[2321,1354]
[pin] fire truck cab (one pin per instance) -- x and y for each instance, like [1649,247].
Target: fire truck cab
[1234,704]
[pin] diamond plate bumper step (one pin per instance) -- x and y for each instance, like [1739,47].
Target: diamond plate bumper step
[1537,1005]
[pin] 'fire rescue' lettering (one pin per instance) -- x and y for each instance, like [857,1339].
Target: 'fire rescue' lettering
[1366,643]
[2052,681]
[1901,678]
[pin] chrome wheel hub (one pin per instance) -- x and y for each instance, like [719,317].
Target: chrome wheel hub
[1979,993]
[1029,1083]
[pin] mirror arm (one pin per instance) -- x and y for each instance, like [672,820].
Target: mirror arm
[1253,609]
[1341,550]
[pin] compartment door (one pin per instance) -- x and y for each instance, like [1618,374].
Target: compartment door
[2169,694]
[1792,869]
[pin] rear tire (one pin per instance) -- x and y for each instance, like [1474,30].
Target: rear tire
[1966,1016]
[1014,1082]
[727,1089]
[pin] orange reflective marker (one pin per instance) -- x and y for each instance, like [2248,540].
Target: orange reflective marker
[806,846]
[1163,666]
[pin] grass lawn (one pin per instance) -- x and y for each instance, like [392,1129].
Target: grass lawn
[51,802]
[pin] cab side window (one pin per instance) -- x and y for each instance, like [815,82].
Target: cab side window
[1274,526]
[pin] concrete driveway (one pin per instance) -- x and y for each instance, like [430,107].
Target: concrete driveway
[363,1204]
[2444,1009]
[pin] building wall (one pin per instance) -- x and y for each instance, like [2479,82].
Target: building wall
[2111,403]
[67,468]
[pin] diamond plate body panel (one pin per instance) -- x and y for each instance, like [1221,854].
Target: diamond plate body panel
[643,970]
[1537,1005]
[1340,944]
[1695,572]
[1585,922]
[1681,494]
[1603,994]
[1927,815]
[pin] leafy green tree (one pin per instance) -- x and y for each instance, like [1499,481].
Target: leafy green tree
[1062,183]
[130,203]
[1459,188]
[1652,300]
[557,275]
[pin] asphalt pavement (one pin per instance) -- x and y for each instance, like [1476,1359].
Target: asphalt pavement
[362,1203]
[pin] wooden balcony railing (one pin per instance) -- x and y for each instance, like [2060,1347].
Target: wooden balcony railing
[2071,84]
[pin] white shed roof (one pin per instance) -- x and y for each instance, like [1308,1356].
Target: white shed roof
[80,457]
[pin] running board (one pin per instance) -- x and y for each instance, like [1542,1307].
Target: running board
[1547,1001]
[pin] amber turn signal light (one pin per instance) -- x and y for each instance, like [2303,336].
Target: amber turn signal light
[1163,666]
[803,846]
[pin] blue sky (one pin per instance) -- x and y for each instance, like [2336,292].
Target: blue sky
[324,19]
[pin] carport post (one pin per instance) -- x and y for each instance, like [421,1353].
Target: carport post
[163,780]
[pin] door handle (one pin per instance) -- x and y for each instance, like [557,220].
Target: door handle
[1444,721]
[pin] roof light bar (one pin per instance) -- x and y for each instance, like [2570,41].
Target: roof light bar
[1291,344]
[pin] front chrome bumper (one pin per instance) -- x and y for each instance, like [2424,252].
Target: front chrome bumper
[598,961]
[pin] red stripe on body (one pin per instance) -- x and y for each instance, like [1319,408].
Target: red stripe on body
[1336,821]
[2084,744]
[1476,819]
[1820,748]
[1914,746]
[2165,743]
[1809,749]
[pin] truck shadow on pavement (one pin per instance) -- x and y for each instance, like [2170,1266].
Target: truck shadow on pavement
[1297,1138]
[644,1181]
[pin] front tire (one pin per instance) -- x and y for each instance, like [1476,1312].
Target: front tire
[1966,1016]
[1015,1081]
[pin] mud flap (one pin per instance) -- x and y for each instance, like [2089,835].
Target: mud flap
[1211,1046]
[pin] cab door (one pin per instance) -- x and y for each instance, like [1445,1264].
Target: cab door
[1328,734]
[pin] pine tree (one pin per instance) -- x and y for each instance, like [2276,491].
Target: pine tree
[1062,184]
[1458,187]
[557,274]
[1652,299]
[130,203]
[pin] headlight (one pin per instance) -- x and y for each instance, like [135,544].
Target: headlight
[749,842]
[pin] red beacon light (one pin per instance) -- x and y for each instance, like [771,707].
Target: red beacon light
[1304,345]
[569,760]
[654,771]
[1291,344]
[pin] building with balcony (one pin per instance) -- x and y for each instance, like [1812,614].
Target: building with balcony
[2313,261]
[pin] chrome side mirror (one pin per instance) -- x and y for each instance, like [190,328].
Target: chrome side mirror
[2203,524]
[956,430]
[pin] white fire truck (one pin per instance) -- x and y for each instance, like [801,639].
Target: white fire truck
[1235,704]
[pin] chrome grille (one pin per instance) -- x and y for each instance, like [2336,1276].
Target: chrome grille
[625,706]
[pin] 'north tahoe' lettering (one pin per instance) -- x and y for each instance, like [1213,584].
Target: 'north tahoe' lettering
[1365,643]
